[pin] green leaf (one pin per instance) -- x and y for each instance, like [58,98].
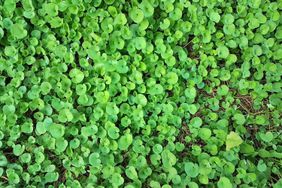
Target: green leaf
[9,6]
[228,19]
[40,128]
[157,148]
[27,4]
[168,159]
[190,92]
[18,149]
[266,137]
[18,31]
[261,166]
[214,16]
[51,9]
[13,177]
[65,115]
[61,144]
[76,75]
[120,19]
[10,51]
[278,33]
[9,109]
[224,183]
[112,109]
[191,169]
[25,158]
[176,14]
[222,52]
[45,88]
[260,120]
[1,33]
[116,179]
[140,44]
[246,148]
[239,119]
[56,130]
[172,78]
[83,100]
[131,173]
[89,130]
[192,109]
[147,8]
[196,122]
[157,89]
[113,132]
[278,184]
[94,159]
[56,22]
[81,89]
[125,141]
[277,55]
[27,128]
[3,160]
[223,90]
[203,179]
[51,177]
[136,14]
[193,185]
[204,133]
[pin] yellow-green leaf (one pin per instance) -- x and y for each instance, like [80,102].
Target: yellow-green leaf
[233,140]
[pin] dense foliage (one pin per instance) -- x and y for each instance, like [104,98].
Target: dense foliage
[140,93]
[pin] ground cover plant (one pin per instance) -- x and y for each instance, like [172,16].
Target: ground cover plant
[140,93]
